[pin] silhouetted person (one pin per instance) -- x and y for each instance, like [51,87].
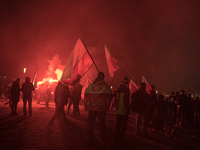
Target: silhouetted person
[171,107]
[98,106]
[76,97]
[122,109]
[176,107]
[182,105]
[70,102]
[152,99]
[56,94]
[196,111]
[62,95]
[15,94]
[1,92]
[142,103]
[27,88]
[160,111]
[48,96]
[8,96]
[153,95]
[190,111]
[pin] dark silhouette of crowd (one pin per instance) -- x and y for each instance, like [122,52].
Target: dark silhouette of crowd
[13,95]
[181,108]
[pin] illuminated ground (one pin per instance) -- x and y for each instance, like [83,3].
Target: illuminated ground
[29,133]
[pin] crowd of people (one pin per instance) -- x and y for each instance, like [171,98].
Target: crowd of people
[181,108]
[13,96]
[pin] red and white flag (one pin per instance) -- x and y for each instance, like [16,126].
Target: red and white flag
[111,61]
[87,83]
[133,88]
[148,87]
[77,65]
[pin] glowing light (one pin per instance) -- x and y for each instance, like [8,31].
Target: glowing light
[24,70]
[50,80]
[59,73]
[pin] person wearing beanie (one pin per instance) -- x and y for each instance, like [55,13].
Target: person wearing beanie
[122,110]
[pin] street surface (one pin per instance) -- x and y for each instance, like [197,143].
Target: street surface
[29,133]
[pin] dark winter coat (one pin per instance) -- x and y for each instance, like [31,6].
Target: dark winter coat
[76,92]
[140,101]
[27,89]
[123,89]
[15,91]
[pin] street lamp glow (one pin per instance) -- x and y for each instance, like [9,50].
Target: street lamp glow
[24,70]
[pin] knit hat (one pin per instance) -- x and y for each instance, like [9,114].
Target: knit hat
[125,80]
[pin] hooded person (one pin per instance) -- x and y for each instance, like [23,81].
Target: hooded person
[27,88]
[122,109]
[97,99]
[61,97]
[142,103]
[15,93]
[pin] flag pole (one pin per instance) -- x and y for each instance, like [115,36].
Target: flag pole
[126,70]
[34,75]
[90,55]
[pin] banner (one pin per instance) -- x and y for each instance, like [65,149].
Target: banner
[111,61]
[98,97]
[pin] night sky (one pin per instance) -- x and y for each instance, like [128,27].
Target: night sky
[157,39]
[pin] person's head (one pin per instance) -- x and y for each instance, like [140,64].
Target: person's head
[160,97]
[177,93]
[182,91]
[143,85]
[189,95]
[101,75]
[17,80]
[153,87]
[125,80]
[172,93]
[27,80]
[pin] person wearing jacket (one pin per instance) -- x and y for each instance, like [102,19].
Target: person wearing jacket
[15,93]
[27,88]
[142,104]
[122,109]
[97,99]
[62,94]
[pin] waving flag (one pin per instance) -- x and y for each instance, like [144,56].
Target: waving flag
[133,88]
[111,61]
[77,65]
[148,87]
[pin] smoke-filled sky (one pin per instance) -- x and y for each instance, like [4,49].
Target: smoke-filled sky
[157,39]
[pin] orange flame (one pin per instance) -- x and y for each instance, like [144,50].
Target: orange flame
[58,72]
